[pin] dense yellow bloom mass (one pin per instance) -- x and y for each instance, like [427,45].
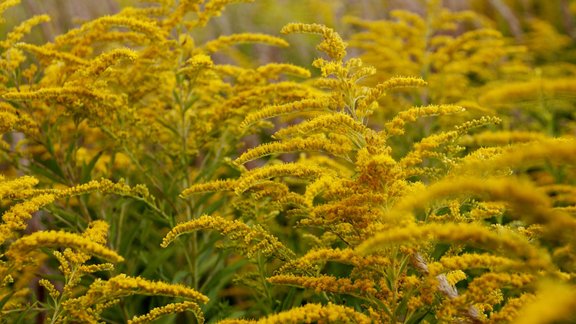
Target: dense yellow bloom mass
[85,101]
[299,170]
[105,60]
[360,287]
[105,186]
[251,241]
[348,256]
[321,124]
[503,138]
[13,120]
[397,124]
[8,187]
[96,232]
[311,313]
[473,234]
[148,28]
[22,246]
[530,154]
[541,309]
[124,284]
[316,104]
[104,293]
[273,71]
[469,261]
[16,218]
[218,185]
[224,41]
[54,293]
[526,202]
[318,143]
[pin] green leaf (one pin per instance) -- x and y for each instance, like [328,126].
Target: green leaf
[86,174]
[49,169]
[6,298]
[156,261]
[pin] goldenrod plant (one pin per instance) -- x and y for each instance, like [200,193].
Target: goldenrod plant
[154,172]
[456,52]
[467,61]
[77,293]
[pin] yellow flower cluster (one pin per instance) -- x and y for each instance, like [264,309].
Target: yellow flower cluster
[170,309]
[313,258]
[360,287]
[309,313]
[224,41]
[103,61]
[98,104]
[22,246]
[22,257]
[104,293]
[332,44]
[7,4]
[14,120]
[524,200]
[213,8]
[12,187]
[539,309]
[397,124]
[299,170]
[197,63]
[410,44]
[471,234]
[272,71]
[469,261]
[312,143]
[338,121]
[16,218]
[23,29]
[123,284]
[105,186]
[48,54]
[251,241]
[316,104]
[97,232]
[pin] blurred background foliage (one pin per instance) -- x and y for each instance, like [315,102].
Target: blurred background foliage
[528,21]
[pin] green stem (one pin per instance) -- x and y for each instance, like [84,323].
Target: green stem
[261,269]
